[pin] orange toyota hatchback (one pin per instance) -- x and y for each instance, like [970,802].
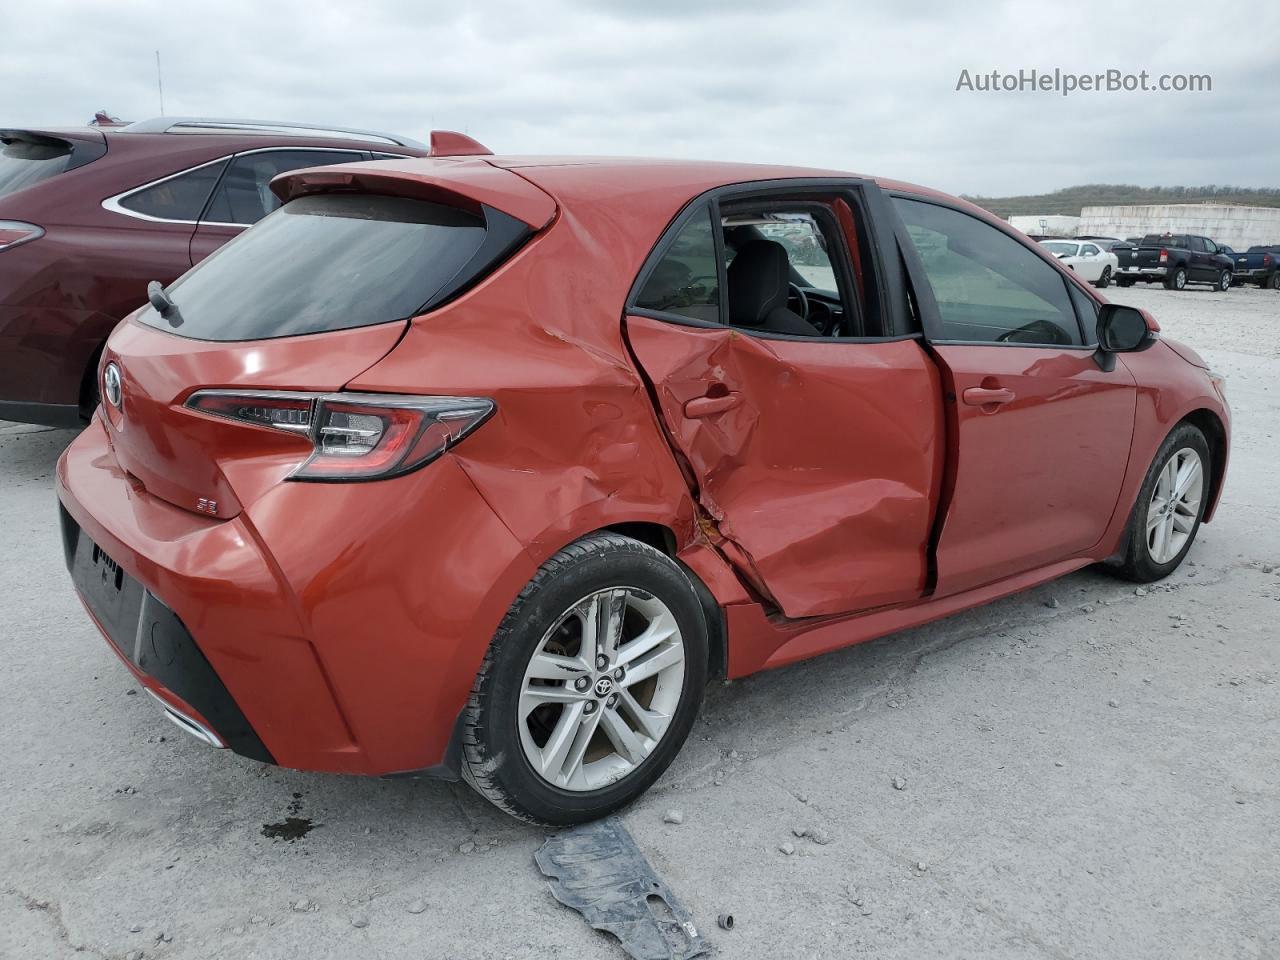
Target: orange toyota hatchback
[482,466]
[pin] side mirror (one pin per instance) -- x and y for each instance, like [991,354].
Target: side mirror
[1123,330]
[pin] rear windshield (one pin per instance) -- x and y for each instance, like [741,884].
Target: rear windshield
[24,162]
[331,262]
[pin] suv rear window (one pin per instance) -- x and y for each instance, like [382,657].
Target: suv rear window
[24,162]
[336,261]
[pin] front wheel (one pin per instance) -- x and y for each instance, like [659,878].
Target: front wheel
[1170,506]
[1224,280]
[590,686]
[1104,281]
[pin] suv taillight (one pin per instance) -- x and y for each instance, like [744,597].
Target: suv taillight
[354,436]
[14,232]
[1164,256]
[1266,259]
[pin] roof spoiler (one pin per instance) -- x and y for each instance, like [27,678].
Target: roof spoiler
[448,143]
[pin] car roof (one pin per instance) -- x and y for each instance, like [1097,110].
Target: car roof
[659,186]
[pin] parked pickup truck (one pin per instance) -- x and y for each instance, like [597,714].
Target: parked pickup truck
[1260,265]
[1174,259]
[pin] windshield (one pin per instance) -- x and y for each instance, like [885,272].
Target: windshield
[328,262]
[1061,249]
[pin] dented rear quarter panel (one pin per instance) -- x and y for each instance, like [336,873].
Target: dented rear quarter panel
[574,444]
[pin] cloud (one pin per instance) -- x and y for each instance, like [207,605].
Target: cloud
[823,84]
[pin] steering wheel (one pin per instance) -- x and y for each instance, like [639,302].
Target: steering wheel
[1037,331]
[804,301]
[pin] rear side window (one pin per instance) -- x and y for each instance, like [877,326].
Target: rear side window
[685,281]
[177,198]
[244,196]
[332,262]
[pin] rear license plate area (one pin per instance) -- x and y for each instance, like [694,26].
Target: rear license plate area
[112,596]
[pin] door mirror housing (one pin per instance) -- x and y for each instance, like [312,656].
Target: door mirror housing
[1123,329]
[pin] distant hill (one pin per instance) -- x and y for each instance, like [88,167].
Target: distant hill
[1072,199]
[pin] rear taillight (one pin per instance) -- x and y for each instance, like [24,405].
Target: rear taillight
[14,232]
[354,436]
[1164,256]
[1266,259]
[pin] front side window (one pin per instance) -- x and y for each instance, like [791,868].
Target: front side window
[806,247]
[244,196]
[685,281]
[988,286]
[177,198]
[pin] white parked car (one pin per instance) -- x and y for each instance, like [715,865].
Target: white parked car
[1086,258]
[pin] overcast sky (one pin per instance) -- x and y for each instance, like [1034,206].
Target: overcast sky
[871,90]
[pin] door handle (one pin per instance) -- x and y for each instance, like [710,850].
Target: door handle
[982,396]
[710,406]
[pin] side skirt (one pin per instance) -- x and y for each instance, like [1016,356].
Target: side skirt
[758,642]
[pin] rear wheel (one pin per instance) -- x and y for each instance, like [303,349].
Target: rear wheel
[590,686]
[1177,280]
[1104,281]
[1224,280]
[1274,282]
[1170,506]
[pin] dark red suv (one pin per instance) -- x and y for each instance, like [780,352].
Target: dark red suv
[89,216]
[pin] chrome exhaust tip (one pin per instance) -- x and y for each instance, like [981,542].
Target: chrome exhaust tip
[189,725]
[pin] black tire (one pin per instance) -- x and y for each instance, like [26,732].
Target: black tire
[1176,280]
[1104,281]
[1137,564]
[493,759]
[1123,282]
[1274,283]
[1224,281]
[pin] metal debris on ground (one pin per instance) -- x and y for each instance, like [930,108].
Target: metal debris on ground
[598,870]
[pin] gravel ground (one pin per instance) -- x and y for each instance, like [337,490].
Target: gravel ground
[1083,771]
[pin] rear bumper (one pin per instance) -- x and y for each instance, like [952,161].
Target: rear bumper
[345,634]
[156,647]
[1143,273]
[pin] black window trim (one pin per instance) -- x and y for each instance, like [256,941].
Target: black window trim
[113,203]
[931,317]
[862,195]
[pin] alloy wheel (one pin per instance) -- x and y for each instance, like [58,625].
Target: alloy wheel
[601,689]
[1180,280]
[1175,505]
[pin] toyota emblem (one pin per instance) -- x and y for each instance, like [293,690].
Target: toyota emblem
[111,385]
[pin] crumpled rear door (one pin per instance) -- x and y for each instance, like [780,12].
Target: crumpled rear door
[819,462]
